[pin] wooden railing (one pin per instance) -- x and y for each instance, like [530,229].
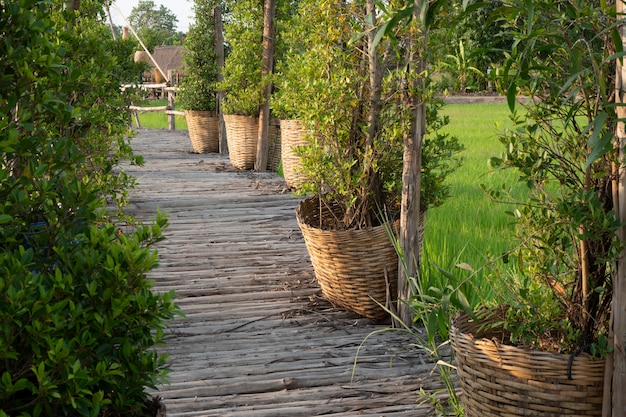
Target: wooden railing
[169,109]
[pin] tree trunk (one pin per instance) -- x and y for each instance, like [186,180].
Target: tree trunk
[269,10]
[409,264]
[219,51]
[371,193]
[615,382]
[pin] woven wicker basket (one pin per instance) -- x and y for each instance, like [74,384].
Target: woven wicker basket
[274,151]
[500,380]
[350,266]
[203,131]
[241,135]
[292,135]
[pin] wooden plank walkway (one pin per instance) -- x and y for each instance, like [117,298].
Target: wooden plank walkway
[258,339]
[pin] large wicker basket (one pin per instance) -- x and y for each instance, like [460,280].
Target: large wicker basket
[292,136]
[203,131]
[274,152]
[356,269]
[241,135]
[500,380]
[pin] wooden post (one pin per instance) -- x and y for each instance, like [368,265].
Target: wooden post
[219,51]
[615,398]
[108,11]
[409,264]
[171,118]
[136,115]
[269,10]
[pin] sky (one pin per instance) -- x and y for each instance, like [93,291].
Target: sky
[183,9]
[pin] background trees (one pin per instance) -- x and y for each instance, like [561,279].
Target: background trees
[155,26]
[468,53]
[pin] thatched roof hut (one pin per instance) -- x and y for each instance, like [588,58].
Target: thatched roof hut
[169,58]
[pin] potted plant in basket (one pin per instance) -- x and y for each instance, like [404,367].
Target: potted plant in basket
[287,99]
[353,164]
[539,348]
[244,84]
[198,93]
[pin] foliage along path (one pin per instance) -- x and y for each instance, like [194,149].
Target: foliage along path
[258,339]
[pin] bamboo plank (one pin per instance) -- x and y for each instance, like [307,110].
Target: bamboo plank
[148,109]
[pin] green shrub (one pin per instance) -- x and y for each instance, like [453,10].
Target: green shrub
[242,68]
[199,89]
[357,144]
[78,321]
[243,33]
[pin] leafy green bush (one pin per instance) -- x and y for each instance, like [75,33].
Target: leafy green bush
[78,321]
[242,67]
[198,89]
[243,34]
[355,158]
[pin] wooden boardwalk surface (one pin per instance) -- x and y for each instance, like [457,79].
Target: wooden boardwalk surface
[258,339]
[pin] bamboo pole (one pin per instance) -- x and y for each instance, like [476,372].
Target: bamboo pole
[108,11]
[615,379]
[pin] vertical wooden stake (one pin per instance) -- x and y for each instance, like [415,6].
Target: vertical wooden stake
[615,380]
[409,264]
[219,51]
[171,118]
[269,11]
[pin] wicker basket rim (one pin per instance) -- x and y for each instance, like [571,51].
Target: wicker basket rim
[304,216]
[478,339]
[207,113]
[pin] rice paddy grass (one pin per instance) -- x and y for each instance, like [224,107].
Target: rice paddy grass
[158,119]
[470,228]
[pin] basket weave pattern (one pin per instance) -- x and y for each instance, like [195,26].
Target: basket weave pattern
[350,266]
[241,135]
[203,131]
[292,135]
[500,380]
[274,151]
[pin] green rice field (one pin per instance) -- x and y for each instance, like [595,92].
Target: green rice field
[158,120]
[470,228]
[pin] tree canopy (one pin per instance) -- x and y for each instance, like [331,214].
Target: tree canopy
[155,26]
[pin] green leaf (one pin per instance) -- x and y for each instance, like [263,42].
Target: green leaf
[530,18]
[445,273]
[465,266]
[392,23]
[618,43]
[511,96]
[464,303]
[599,144]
